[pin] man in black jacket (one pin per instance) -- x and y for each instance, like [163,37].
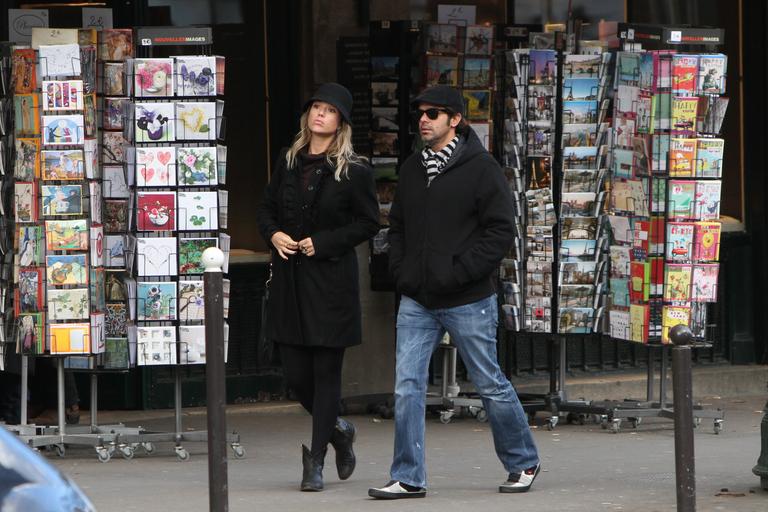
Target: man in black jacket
[450,225]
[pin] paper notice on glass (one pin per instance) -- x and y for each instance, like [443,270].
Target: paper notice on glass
[98,18]
[457,14]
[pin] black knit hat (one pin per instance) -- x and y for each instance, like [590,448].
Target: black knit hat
[441,96]
[335,94]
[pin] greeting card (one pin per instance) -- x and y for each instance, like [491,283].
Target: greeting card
[156,300]
[156,345]
[27,162]
[114,112]
[114,251]
[196,120]
[156,256]
[191,301]
[115,44]
[198,211]
[98,333]
[191,252]
[66,235]
[23,74]
[26,111]
[116,354]
[196,76]
[116,320]
[114,78]
[98,290]
[116,215]
[156,211]
[97,246]
[153,77]
[68,164]
[442,70]
[72,338]
[62,199]
[441,37]
[192,344]
[24,201]
[66,269]
[155,122]
[60,60]
[96,202]
[197,166]
[29,294]
[92,157]
[155,166]
[63,95]
[479,40]
[63,129]
[70,304]
[113,144]
[31,333]
[29,245]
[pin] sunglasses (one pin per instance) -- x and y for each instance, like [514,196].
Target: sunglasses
[432,113]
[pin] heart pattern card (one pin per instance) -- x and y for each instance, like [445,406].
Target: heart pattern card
[156,345]
[156,300]
[156,256]
[66,235]
[198,211]
[66,269]
[72,338]
[155,167]
[191,301]
[196,120]
[197,166]
[156,211]
[71,304]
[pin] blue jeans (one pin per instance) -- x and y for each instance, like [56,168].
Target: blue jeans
[472,328]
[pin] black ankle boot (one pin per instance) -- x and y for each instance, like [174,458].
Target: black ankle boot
[312,478]
[342,438]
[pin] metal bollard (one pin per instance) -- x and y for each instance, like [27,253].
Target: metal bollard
[685,471]
[215,383]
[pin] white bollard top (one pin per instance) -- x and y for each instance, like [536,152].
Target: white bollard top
[212,259]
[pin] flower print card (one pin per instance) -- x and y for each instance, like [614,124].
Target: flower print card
[191,253]
[155,166]
[156,256]
[154,122]
[115,184]
[97,246]
[196,120]
[156,300]
[63,129]
[70,338]
[156,345]
[62,199]
[197,166]
[67,164]
[66,235]
[25,201]
[191,301]
[198,211]
[70,304]
[195,75]
[64,269]
[153,77]
[60,60]
[156,211]
[62,95]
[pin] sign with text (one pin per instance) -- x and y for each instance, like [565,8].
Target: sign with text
[98,18]
[22,21]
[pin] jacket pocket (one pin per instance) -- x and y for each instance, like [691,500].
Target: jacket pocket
[440,274]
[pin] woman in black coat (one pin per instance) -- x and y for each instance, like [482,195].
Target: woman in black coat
[319,205]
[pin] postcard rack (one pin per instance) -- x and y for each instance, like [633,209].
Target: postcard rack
[665,199]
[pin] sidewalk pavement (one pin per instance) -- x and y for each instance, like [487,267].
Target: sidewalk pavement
[585,468]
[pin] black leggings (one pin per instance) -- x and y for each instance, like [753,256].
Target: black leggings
[314,374]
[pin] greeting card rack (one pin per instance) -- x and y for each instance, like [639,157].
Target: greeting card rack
[665,199]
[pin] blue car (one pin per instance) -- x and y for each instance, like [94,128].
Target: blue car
[28,483]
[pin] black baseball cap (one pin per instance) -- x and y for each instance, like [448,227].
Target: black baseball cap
[335,94]
[441,96]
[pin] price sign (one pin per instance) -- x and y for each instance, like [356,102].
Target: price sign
[98,18]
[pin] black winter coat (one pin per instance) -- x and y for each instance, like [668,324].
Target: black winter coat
[315,301]
[447,239]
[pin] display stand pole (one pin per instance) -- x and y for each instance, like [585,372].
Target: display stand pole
[61,394]
[177,400]
[215,379]
[24,389]
[94,401]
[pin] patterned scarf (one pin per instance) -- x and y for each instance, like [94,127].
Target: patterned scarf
[435,161]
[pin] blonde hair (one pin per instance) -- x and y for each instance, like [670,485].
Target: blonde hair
[340,153]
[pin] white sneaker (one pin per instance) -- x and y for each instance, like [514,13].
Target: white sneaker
[395,490]
[520,482]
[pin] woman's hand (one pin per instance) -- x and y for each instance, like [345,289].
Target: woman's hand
[306,247]
[284,244]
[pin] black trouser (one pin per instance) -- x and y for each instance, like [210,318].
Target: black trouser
[314,374]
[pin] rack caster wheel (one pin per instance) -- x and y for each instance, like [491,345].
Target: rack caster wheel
[445,417]
[103,454]
[148,447]
[238,450]
[60,450]
[718,426]
[616,425]
[182,454]
[126,451]
[552,422]
[635,422]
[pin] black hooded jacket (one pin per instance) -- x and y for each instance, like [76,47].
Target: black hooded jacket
[447,240]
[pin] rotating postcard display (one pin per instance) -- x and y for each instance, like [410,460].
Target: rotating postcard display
[58,238]
[556,263]
[665,193]
[174,176]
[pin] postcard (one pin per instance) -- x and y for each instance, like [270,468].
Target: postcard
[98,333]
[155,166]
[97,246]
[66,269]
[153,77]
[578,204]
[116,354]
[88,66]
[198,211]
[579,157]
[195,166]
[156,256]
[61,60]
[581,272]
[156,211]
[190,254]
[116,319]
[62,95]
[580,89]
[63,129]
[156,345]
[66,235]
[542,67]
[440,38]
[113,144]
[27,162]
[96,202]
[384,68]
[579,228]
[29,291]
[477,72]
[575,319]
[384,119]
[583,66]
[62,199]
[69,304]
[26,111]
[196,75]
[115,44]
[579,112]
[31,333]
[116,215]
[97,288]
[23,72]
[385,143]
[384,94]
[192,344]
[25,201]
[155,122]
[68,164]
[478,104]
[114,79]
[72,338]
[478,40]
[191,301]
[442,70]
[29,245]
[196,120]
[114,251]
[156,300]
[114,112]
[115,184]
